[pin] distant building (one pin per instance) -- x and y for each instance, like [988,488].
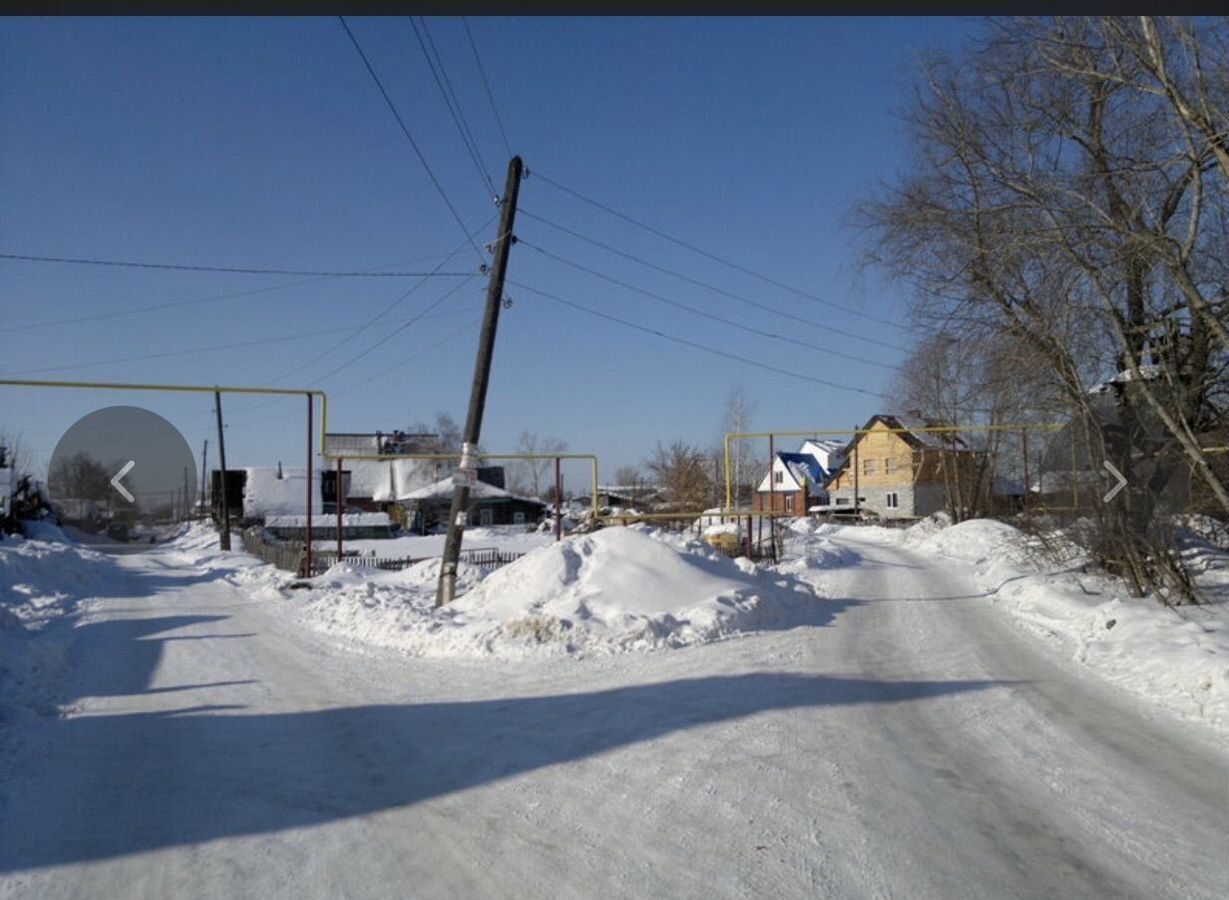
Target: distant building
[489,504]
[794,481]
[341,443]
[406,489]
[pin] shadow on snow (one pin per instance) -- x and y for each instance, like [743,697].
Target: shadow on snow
[119,784]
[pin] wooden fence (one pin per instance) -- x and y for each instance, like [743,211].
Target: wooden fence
[290,556]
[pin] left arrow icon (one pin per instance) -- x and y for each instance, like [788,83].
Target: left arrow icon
[120,474]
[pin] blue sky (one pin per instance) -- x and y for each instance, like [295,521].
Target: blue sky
[264,143]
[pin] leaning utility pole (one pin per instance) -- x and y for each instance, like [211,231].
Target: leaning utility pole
[477,399]
[224,540]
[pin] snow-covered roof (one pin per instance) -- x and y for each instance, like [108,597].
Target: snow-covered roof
[265,494]
[1146,373]
[392,479]
[341,443]
[479,490]
[823,450]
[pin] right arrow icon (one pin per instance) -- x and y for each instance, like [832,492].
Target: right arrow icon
[1122,482]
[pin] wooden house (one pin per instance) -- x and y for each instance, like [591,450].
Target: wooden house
[896,468]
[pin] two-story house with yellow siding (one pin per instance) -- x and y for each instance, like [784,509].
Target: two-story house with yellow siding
[899,470]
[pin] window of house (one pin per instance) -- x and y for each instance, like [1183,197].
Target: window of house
[486,517]
[889,466]
[868,467]
[518,518]
[893,500]
[779,477]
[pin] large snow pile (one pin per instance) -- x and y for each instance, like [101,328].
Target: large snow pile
[42,579]
[1177,657]
[615,590]
[40,582]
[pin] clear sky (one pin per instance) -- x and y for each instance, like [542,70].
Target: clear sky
[264,143]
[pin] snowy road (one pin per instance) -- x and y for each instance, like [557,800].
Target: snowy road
[914,745]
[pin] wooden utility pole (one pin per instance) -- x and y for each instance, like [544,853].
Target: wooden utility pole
[224,538]
[482,374]
[204,469]
[558,502]
[855,469]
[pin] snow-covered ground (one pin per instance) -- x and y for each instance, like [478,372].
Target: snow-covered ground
[1177,657]
[866,721]
[637,588]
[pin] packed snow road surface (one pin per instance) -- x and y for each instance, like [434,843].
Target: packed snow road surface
[908,742]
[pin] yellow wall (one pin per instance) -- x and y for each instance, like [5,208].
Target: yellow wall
[891,461]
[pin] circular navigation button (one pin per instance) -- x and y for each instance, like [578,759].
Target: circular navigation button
[123,478]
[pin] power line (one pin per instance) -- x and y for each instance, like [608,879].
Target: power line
[490,96]
[406,323]
[392,334]
[436,64]
[714,257]
[467,328]
[184,351]
[435,345]
[175,304]
[705,313]
[382,313]
[229,270]
[406,131]
[710,287]
[693,344]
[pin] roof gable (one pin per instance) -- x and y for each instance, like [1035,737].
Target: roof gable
[912,430]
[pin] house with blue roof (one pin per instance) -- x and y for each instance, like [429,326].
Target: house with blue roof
[795,480]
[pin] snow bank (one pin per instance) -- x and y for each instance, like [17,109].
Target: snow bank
[41,530]
[619,589]
[198,545]
[40,582]
[1178,658]
[808,548]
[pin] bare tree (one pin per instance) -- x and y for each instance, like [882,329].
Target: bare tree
[82,477]
[1068,193]
[631,477]
[17,453]
[446,434]
[682,472]
[736,418]
[978,383]
[530,475]
[627,475]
